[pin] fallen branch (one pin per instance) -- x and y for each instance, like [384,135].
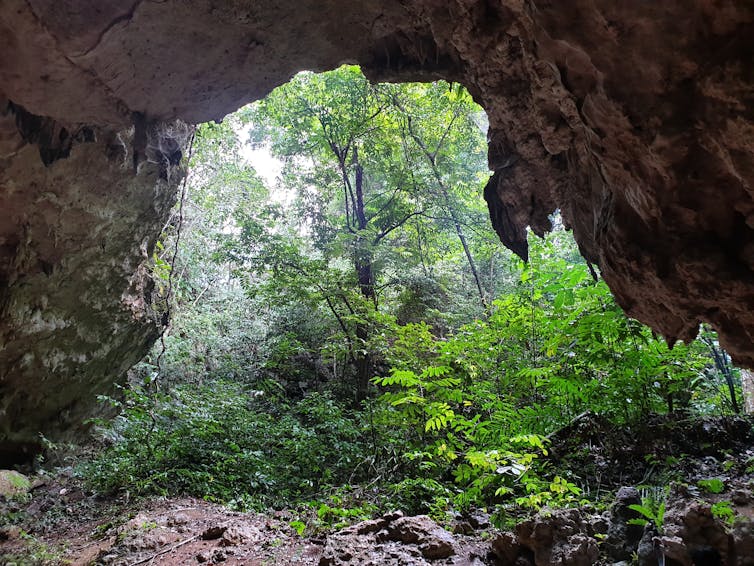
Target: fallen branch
[172,548]
[569,426]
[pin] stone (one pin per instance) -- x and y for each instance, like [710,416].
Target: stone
[76,311]
[392,539]
[560,537]
[238,534]
[214,532]
[743,539]
[506,548]
[13,485]
[693,535]
[622,538]
[479,520]
[740,497]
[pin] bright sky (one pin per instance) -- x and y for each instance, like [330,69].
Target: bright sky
[266,165]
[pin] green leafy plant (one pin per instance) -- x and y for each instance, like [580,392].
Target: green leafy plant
[225,444]
[723,511]
[652,511]
[298,526]
[712,485]
[350,328]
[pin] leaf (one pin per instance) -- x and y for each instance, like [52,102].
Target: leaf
[435,371]
[645,511]
[712,485]
[298,526]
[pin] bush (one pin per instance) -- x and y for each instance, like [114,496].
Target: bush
[226,443]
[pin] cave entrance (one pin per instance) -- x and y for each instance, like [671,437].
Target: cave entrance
[332,279]
[344,339]
[365,198]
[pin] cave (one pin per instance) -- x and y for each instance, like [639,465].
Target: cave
[635,120]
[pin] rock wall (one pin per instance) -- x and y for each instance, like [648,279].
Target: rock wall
[635,119]
[76,226]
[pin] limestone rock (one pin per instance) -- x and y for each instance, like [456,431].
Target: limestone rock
[237,534]
[393,539]
[563,537]
[692,535]
[559,538]
[623,538]
[13,484]
[77,226]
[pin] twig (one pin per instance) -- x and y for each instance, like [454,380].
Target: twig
[172,548]
[169,292]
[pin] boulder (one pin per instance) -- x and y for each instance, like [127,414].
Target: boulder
[13,485]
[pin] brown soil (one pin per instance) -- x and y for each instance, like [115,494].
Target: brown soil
[167,531]
[60,524]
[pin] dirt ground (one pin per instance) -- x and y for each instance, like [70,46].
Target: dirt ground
[70,530]
[67,526]
[58,522]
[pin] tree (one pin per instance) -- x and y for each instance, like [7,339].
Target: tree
[353,159]
[440,123]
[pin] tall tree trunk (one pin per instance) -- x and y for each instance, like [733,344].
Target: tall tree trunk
[432,159]
[462,238]
[363,257]
[747,385]
[364,265]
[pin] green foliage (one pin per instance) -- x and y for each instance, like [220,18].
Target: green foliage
[712,485]
[298,526]
[226,443]
[449,435]
[353,324]
[421,495]
[332,515]
[652,511]
[723,511]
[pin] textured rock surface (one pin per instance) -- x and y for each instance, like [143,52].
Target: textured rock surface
[636,119]
[564,537]
[692,535]
[74,290]
[398,540]
[13,485]
[622,537]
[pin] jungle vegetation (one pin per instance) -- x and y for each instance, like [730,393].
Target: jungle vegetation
[350,335]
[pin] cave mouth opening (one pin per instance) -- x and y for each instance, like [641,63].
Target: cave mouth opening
[604,111]
[331,266]
[383,159]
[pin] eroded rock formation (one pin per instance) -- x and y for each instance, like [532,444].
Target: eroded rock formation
[77,224]
[636,119]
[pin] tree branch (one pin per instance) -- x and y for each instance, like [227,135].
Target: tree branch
[398,224]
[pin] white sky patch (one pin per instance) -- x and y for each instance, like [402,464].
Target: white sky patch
[267,166]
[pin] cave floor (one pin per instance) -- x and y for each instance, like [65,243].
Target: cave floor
[181,531]
[59,522]
[162,531]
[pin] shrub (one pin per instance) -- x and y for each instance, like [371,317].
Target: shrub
[226,443]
